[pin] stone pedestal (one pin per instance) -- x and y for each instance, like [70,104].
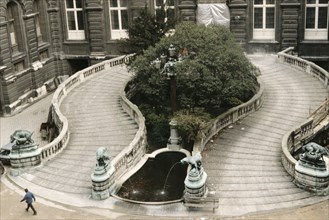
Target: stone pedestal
[174,142]
[100,183]
[101,176]
[195,183]
[25,152]
[312,175]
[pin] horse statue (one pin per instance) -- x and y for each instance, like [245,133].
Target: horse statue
[314,152]
[102,157]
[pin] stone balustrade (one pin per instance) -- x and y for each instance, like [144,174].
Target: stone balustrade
[296,137]
[228,118]
[309,67]
[59,143]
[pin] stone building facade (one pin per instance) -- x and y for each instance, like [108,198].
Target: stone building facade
[41,40]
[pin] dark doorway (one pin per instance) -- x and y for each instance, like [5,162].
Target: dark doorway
[78,64]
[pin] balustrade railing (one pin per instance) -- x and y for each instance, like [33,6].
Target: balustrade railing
[294,139]
[59,143]
[228,118]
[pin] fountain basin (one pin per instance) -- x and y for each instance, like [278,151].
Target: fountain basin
[159,181]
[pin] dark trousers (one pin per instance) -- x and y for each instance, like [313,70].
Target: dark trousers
[30,205]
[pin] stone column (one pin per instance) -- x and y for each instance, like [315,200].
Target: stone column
[174,141]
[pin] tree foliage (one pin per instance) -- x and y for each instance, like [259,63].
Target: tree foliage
[144,31]
[214,75]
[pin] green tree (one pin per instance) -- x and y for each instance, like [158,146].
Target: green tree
[214,75]
[145,30]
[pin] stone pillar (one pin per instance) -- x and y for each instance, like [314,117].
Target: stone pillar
[187,10]
[25,152]
[311,172]
[100,177]
[174,141]
[289,29]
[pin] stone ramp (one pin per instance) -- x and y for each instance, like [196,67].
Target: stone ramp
[96,119]
[244,163]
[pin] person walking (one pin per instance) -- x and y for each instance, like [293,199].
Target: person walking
[29,197]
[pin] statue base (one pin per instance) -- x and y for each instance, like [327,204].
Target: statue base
[312,176]
[195,183]
[174,146]
[100,183]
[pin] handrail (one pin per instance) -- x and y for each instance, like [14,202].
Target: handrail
[60,142]
[295,137]
[133,153]
[229,117]
[128,158]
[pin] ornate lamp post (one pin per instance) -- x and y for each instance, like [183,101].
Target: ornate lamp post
[168,69]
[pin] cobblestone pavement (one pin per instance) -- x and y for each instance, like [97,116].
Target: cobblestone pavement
[11,208]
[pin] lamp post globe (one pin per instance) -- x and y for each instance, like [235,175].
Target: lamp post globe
[171,50]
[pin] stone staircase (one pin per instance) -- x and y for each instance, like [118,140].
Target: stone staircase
[244,163]
[96,119]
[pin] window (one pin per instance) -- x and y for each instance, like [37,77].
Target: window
[19,67]
[14,27]
[169,8]
[316,20]
[119,18]
[40,18]
[43,55]
[74,17]
[264,20]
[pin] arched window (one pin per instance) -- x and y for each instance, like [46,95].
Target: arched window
[14,27]
[74,18]
[316,20]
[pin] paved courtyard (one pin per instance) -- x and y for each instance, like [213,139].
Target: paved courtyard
[249,177]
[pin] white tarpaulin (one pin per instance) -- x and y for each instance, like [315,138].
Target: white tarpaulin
[213,14]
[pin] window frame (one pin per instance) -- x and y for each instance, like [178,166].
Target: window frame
[77,34]
[166,8]
[316,33]
[13,25]
[40,27]
[264,33]
[120,32]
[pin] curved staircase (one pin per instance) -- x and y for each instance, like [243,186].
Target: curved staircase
[244,163]
[96,119]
